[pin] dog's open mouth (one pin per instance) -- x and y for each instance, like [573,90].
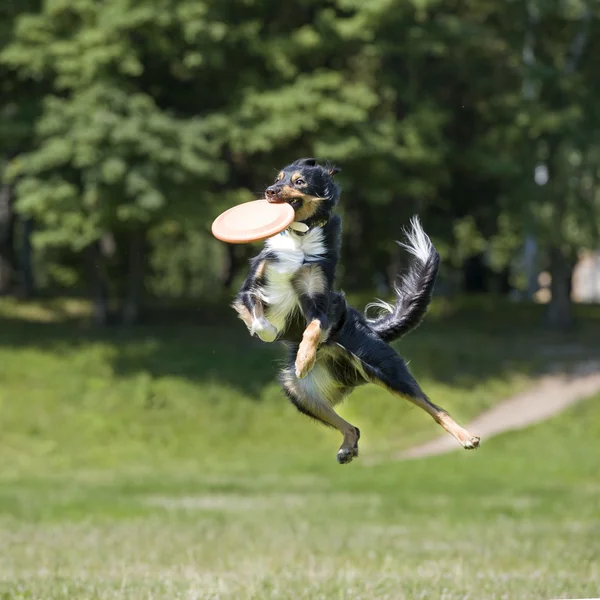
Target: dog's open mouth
[293,202]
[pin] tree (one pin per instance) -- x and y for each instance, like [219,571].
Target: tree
[18,111]
[562,119]
[108,157]
[157,115]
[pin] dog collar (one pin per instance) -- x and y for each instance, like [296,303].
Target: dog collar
[301,229]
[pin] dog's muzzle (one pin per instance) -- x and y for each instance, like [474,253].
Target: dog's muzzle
[272,194]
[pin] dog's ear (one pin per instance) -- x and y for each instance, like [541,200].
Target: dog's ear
[333,170]
[305,162]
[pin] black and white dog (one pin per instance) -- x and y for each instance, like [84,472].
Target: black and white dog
[289,296]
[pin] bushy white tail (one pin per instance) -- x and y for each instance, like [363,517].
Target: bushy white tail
[413,290]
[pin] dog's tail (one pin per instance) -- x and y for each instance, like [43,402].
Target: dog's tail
[413,289]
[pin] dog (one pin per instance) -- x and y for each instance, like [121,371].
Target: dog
[289,296]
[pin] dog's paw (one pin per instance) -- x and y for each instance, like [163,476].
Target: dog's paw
[471,443]
[264,330]
[345,455]
[305,361]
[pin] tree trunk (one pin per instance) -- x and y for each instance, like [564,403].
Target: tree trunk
[27,287]
[530,265]
[99,283]
[7,237]
[560,314]
[135,279]
[475,275]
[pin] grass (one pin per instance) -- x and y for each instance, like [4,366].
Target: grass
[162,462]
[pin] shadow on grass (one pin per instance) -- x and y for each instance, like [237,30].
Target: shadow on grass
[496,336]
[198,350]
[460,344]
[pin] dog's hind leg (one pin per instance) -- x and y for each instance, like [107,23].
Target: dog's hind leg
[315,396]
[380,364]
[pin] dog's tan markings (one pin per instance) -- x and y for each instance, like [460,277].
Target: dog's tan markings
[307,352]
[316,397]
[439,415]
[260,324]
[260,270]
[259,309]
[243,313]
[310,280]
[466,439]
[297,175]
[280,176]
[310,205]
[285,192]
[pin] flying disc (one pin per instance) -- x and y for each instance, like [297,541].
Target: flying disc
[252,221]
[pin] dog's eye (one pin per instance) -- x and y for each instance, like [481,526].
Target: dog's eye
[300,181]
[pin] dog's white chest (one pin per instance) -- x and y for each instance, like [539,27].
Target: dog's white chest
[291,251]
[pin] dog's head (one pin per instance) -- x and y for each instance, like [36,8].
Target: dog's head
[308,187]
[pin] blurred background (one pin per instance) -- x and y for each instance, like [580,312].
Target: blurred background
[145,448]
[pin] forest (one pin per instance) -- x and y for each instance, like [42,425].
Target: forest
[127,126]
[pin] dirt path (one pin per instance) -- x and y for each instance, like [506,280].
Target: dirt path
[552,394]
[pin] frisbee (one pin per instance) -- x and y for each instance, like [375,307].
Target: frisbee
[252,221]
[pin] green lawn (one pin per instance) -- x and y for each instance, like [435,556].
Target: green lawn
[163,462]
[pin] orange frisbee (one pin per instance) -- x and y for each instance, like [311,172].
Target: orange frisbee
[252,221]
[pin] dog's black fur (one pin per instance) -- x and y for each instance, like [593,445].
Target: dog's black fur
[333,348]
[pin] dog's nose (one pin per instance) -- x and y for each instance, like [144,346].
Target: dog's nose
[271,192]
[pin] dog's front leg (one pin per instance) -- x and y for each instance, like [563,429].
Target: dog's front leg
[250,310]
[249,306]
[260,325]
[313,296]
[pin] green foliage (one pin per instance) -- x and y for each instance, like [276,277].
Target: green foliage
[182,262]
[108,157]
[167,112]
[19,98]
